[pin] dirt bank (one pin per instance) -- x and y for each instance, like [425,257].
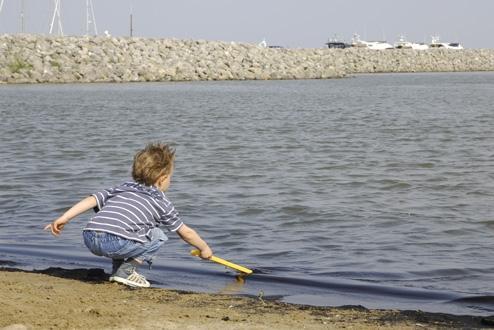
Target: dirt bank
[82,299]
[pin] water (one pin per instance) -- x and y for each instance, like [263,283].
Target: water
[374,190]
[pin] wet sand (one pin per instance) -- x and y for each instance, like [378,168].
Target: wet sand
[58,298]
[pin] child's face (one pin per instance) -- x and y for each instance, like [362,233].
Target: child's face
[163,182]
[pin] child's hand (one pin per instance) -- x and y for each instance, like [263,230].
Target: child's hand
[79,208]
[206,253]
[56,226]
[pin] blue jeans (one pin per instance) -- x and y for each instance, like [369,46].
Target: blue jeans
[116,247]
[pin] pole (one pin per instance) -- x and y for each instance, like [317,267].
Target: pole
[93,17]
[56,13]
[87,17]
[22,16]
[131,28]
[90,18]
[131,10]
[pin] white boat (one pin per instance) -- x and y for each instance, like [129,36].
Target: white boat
[435,43]
[376,45]
[402,43]
[263,44]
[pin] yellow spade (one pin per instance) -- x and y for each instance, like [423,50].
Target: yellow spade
[225,263]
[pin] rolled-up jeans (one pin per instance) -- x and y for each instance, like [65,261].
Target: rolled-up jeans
[116,247]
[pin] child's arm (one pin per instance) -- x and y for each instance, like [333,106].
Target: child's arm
[190,236]
[79,208]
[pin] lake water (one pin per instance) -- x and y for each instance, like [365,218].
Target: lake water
[375,190]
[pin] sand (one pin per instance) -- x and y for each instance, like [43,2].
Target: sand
[82,299]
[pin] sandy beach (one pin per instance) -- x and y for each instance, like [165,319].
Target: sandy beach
[58,298]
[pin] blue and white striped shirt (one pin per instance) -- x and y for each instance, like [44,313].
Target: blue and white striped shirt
[131,210]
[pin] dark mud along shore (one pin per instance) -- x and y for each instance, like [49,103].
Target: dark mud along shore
[57,298]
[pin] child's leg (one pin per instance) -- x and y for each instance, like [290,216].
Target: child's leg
[139,253]
[119,248]
[100,243]
[116,263]
[146,252]
[126,254]
[92,241]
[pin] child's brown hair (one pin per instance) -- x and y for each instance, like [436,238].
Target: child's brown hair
[152,162]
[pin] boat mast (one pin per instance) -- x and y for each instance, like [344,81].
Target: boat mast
[56,13]
[22,16]
[131,22]
[90,17]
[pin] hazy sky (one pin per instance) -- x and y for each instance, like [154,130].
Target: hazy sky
[290,23]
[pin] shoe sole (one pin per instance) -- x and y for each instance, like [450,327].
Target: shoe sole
[125,281]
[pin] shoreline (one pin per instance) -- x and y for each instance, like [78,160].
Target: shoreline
[82,299]
[30,59]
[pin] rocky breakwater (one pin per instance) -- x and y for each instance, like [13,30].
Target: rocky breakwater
[358,60]
[41,59]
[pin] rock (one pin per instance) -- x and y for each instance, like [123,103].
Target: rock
[34,58]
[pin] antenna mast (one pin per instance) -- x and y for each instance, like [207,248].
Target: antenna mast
[22,16]
[90,18]
[131,21]
[56,13]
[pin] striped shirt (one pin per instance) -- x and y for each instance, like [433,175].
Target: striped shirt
[132,210]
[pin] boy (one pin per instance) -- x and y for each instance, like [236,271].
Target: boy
[125,227]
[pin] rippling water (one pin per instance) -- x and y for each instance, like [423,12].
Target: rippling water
[347,191]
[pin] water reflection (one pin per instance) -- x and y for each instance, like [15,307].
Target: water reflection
[234,287]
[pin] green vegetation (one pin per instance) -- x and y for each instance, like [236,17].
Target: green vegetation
[18,65]
[55,64]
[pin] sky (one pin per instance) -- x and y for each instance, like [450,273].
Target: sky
[287,23]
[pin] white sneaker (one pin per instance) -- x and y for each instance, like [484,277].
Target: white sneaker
[127,275]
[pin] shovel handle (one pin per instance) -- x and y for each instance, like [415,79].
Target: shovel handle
[224,262]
